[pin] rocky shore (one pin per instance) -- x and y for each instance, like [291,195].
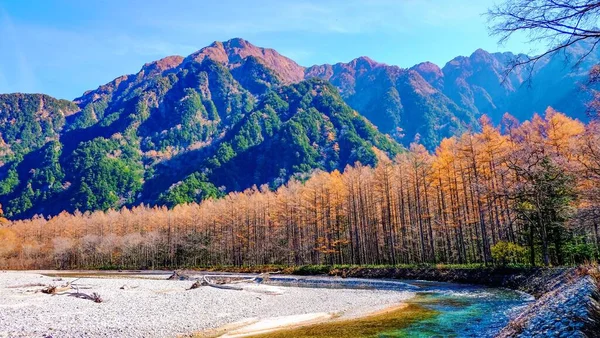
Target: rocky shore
[567,299]
[570,310]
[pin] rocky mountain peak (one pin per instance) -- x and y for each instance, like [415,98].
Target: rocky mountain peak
[159,66]
[231,53]
[431,72]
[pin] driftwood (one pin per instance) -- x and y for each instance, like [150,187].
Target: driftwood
[53,289]
[225,281]
[221,282]
[198,283]
[221,286]
[96,298]
[220,279]
[178,276]
[266,276]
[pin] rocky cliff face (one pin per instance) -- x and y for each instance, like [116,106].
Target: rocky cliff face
[232,53]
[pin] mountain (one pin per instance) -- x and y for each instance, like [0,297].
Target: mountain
[428,103]
[179,130]
[28,121]
[480,83]
[399,101]
[424,102]
[234,52]
[233,115]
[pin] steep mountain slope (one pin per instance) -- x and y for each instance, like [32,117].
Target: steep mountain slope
[174,132]
[233,115]
[232,53]
[399,101]
[292,131]
[480,83]
[27,121]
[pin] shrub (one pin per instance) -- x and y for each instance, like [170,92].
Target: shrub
[507,252]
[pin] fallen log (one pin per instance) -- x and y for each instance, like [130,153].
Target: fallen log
[53,289]
[221,286]
[198,283]
[50,290]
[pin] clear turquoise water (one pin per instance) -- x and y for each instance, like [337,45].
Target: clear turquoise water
[463,310]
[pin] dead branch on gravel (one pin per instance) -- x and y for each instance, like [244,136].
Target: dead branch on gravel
[53,289]
[178,276]
[198,283]
[220,284]
[96,298]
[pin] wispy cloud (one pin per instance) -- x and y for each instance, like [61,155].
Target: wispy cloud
[344,17]
[338,16]
[125,44]
[14,65]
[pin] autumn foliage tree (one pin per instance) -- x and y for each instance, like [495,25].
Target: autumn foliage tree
[511,194]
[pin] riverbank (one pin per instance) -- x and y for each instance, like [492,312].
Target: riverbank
[535,281]
[567,299]
[143,307]
[149,305]
[569,310]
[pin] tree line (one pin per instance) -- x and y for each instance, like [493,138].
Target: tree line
[517,193]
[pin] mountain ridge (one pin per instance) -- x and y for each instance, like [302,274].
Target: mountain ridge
[233,115]
[180,131]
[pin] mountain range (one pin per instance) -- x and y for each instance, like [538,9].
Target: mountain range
[233,115]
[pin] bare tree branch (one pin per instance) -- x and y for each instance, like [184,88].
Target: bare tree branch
[556,24]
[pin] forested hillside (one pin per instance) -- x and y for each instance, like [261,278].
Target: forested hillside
[515,194]
[233,115]
[178,131]
[428,102]
[399,101]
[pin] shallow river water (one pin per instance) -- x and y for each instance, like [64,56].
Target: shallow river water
[458,310]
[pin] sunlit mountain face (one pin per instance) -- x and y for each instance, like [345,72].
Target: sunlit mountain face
[233,115]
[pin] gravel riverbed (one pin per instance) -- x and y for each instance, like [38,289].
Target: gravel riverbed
[162,308]
[564,312]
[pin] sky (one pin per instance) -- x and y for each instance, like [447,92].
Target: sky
[65,47]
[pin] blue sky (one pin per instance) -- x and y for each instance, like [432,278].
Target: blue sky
[65,47]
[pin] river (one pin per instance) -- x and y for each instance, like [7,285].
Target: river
[439,309]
